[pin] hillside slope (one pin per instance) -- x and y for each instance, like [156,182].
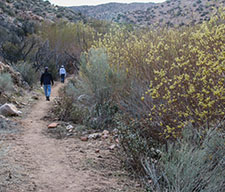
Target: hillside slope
[110,11]
[17,18]
[170,13]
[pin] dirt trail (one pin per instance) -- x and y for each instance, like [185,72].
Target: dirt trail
[67,165]
[53,173]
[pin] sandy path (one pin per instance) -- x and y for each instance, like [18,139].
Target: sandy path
[53,171]
[37,162]
[66,165]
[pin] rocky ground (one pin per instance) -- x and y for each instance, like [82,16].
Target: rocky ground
[36,155]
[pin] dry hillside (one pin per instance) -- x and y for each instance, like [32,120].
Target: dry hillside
[17,18]
[110,11]
[170,13]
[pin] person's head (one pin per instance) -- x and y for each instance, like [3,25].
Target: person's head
[46,69]
[62,66]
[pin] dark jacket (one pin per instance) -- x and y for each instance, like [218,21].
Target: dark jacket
[46,78]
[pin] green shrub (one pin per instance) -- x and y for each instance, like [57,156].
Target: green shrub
[6,83]
[103,83]
[195,163]
[28,73]
[2,5]
[102,80]
[89,99]
[136,143]
[59,15]
[68,109]
[3,34]
[11,51]
[10,1]
[102,115]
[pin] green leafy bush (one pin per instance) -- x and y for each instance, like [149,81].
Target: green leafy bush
[103,83]
[68,107]
[28,73]
[11,51]
[96,71]
[90,98]
[6,83]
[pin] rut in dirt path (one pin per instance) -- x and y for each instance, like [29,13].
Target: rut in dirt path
[52,167]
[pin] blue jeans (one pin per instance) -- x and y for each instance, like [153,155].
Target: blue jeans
[62,78]
[47,89]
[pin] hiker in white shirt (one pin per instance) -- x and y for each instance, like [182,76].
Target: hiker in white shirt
[62,73]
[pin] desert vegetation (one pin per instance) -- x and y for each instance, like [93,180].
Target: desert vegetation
[162,89]
[24,43]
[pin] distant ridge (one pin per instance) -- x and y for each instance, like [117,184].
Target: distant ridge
[109,11]
[170,12]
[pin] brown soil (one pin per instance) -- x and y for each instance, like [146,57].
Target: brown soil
[38,162]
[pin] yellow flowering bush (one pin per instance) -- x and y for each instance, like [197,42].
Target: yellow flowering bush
[183,70]
[192,88]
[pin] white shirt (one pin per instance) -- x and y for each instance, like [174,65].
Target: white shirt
[62,71]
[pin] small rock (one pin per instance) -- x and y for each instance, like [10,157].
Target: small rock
[84,138]
[115,131]
[9,110]
[84,132]
[105,132]
[89,145]
[69,127]
[17,103]
[35,97]
[117,140]
[138,185]
[19,112]
[2,117]
[52,125]
[94,136]
[112,147]
[83,97]
[105,136]
[14,98]
[97,151]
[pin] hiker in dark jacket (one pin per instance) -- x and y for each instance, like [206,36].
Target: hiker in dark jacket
[47,80]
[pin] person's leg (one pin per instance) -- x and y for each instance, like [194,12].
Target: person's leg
[46,90]
[49,92]
[63,78]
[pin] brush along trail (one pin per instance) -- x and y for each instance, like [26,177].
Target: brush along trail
[63,165]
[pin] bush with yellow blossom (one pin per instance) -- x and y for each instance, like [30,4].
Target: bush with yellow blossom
[192,88]
[183,70]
